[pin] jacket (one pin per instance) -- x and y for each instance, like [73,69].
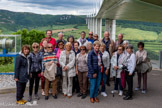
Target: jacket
[93,63]
[70,65]
[36,62]
[110,46]
[121,62]
[22,68]
[106,59]
[50,71]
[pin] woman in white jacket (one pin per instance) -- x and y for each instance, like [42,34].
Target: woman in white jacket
[117,61]
[67,62]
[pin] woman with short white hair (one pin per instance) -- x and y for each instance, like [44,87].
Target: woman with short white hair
[130,64]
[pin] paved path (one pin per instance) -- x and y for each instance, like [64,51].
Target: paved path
[153,99]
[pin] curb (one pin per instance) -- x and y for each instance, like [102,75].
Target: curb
[10,90]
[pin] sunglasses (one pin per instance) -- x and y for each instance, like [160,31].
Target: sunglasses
[90,34]
[82,49]
[50,47]
[35,47]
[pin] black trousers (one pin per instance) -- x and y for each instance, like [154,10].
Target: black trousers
[34,80]
[20,90]
[76,87]
[129,80]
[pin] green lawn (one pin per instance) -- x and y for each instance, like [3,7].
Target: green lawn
[7,68]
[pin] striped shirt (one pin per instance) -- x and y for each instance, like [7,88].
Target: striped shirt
[47,57]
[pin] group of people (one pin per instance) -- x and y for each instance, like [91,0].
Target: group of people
[70,66]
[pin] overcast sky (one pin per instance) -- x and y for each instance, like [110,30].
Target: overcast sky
[54,7]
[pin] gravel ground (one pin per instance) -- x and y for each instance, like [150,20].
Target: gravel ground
[7,81]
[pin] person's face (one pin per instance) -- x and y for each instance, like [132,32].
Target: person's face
[125,45]
[96,48]
[76,46]
[71,40]
[82,35]
[49,34]
[140,48]
[120,37]
[35,48]
[26,51]
[89,47]
[129,50]
[90,35]
[60,36]
[102,48]
[45,43]
[50,48]
[95,37]
[120,50]
[68,48]
[83,50]
[61,45]
[106,35]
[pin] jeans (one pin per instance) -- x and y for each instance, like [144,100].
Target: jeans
[95,84]
[103,78]
[118,83]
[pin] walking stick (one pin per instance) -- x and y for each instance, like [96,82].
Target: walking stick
[115,83]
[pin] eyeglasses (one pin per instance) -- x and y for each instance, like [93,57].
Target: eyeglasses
[50,47]
[82,49]
[35,47]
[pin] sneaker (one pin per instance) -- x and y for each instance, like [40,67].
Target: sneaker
[43,94]
[80,94]
[114,91]
[24,100]
[20,102]
[137,89]
[30,99]
[55,96]
[143,91]
[84,96]
[36,97]
[120,93]
[103,94]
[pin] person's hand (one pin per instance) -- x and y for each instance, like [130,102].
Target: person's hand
[130,74]
[42,74]
[95,75]
[107,71]
[30,75]
[115,67]
[65,68]
[16,79]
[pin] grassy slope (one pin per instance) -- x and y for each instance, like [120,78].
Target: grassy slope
[129,34]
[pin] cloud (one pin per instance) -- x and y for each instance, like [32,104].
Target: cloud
[54,7]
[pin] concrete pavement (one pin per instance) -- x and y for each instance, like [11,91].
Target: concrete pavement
[153,99]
